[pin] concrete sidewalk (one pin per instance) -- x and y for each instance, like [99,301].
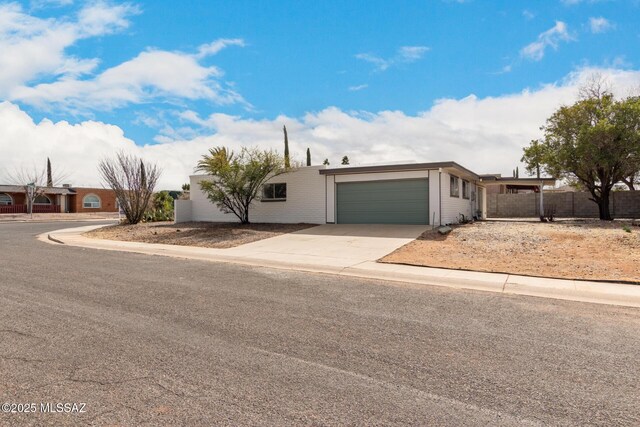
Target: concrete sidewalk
[574,290]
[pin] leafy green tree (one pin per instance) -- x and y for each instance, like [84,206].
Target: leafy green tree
[595,141]
[237,180]
[186,187]
[308,157]
[345,160]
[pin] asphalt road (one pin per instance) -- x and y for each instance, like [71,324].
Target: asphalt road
[145,340]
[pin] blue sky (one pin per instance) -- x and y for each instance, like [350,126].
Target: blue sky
[165,72]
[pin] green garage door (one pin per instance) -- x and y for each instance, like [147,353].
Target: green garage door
[383,202]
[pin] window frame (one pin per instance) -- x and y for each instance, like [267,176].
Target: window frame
[10,199]
[272,198]
[84,203]
[40,203]
[466,189]
[454,179]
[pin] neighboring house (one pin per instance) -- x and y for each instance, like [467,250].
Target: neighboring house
[417,193]
[13,199]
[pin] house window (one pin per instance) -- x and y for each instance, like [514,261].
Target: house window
[91,202]
[465,189]
[5,200]
[42,200]
[274,192]
[454,186]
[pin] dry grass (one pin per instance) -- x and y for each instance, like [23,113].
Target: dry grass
[591,250]
[202,234]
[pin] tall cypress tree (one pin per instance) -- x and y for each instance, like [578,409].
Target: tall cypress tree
[49,174]
[308,157]
[143,175]
[287,163]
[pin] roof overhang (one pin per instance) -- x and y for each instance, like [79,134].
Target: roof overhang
[45,190]
[492,180]
[450,167]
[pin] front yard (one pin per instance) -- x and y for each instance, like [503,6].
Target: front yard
[588,249]
[202,234]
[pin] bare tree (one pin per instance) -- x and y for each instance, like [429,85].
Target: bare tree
[133,181]
[35,181]
[596,86]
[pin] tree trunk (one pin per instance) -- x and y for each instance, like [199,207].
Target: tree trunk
[603,205]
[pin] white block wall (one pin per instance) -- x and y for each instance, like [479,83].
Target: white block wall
[452,207]
[182,211]
[305,200]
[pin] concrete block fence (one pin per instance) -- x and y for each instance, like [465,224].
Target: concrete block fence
[623,204]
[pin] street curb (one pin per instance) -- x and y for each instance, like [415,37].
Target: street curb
[53,239]
[507,284]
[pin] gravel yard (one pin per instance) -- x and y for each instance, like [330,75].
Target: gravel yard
[202,234]
[586,249]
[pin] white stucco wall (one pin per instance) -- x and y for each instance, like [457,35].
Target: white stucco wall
[452,207]
[305,200]
[330,206]
[182,211]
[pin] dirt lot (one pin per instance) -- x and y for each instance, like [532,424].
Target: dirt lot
[587,249]
[202,234]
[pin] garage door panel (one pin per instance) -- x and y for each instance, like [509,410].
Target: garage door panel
[383,202]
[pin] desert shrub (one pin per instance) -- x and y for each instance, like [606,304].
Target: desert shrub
[161,208]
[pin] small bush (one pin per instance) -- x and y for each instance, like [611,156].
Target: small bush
[627,229]
[161,208]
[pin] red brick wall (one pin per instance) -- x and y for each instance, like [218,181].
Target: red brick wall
[107,200]
[18,199]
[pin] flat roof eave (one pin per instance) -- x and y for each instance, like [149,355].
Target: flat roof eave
[398,168]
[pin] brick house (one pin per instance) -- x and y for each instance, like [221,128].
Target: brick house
[13,199]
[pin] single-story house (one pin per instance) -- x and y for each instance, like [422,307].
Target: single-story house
[13,199]
[414,193]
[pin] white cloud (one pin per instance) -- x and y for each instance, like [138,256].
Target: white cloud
[358,87]
[101,18]
[484,134]
[33,47]
[528,15]
[42,4]
[412,53]
[217,45]
[600,25]
[405,54]
[550,38]
[152,74]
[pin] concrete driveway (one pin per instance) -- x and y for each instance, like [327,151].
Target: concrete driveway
[336,245]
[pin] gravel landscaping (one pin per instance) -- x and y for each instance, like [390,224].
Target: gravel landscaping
[572,249]
[202,234]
